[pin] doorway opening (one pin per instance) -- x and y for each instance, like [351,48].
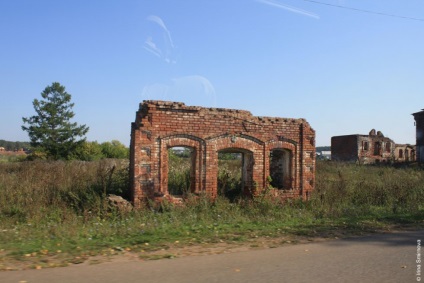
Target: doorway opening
[181,170]
[280,169]
[235,173]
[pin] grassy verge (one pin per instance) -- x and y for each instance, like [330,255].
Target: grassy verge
[56,213]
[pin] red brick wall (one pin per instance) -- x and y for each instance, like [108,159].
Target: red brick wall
[405,153]
[160,125]
[344,148]
[419,122]
[352,148]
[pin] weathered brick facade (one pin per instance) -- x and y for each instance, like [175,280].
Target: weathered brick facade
[405,153]
[365,149]
[419,123]
[282,148]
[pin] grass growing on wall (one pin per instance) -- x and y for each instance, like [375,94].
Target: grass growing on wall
[59,209]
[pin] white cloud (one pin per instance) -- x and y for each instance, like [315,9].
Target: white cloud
[289,8]
[151,47]
[160,22]
[160,42]
[192,90]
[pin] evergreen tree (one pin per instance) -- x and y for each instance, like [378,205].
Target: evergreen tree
[50,130]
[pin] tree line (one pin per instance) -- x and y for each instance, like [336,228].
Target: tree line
[14,146]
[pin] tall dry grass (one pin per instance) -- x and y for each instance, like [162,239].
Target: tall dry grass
[30,191]
[44,205]
[353,190]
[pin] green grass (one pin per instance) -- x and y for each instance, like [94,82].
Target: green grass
[58,209]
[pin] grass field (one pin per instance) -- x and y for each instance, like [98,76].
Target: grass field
[53,213]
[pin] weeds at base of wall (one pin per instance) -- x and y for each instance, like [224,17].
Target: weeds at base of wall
[58,210]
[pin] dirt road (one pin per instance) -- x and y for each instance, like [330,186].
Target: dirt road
[378,258]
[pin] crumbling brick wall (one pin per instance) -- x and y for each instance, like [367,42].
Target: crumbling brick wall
[267,144]
[365,149]
[405,153]
[419,123]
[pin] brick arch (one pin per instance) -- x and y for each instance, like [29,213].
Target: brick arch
[286,145]
[234,138]
[198,149]
[250,146]
[247,169]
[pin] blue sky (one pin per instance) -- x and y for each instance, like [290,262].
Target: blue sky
[343,70]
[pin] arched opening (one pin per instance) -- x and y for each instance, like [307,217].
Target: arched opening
[235,173]
[280,169]
[181,170]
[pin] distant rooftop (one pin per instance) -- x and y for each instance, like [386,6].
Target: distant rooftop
[418,113]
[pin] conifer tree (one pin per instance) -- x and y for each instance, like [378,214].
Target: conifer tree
[51,130]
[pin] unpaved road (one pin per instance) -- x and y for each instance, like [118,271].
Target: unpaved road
[389,257]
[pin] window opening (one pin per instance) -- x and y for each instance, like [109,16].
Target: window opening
[235,168]
[388,147]
[400,153]
[280,169]
[377,148]
[365,145]
[181,170]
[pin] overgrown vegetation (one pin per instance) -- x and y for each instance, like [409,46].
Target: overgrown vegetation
[229,173]
[349,190]
[59,210]
[84,151]
[229,177]
[92,151]
[12,158]
[179,171]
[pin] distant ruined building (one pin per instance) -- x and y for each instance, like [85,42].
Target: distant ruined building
[371,148]
[365,149]
[3,151]
[281,149]
[419,123]
[405,153]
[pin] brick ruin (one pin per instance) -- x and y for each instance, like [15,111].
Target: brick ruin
[405,153]
[282,148]
[365,149]
[419,123]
